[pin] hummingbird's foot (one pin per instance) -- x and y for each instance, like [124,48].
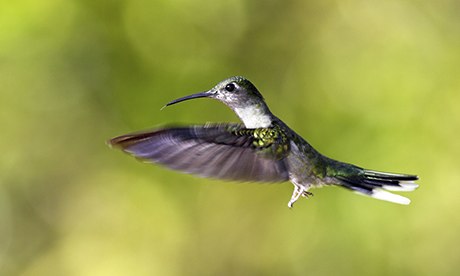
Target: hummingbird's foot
[307,194]
[299,190]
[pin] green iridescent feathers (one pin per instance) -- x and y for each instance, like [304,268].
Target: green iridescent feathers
[271,141]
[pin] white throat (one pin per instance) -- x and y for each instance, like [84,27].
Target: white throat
[254,116]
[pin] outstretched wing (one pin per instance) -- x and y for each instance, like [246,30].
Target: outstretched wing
[225,151]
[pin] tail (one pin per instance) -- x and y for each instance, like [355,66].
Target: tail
[377,184]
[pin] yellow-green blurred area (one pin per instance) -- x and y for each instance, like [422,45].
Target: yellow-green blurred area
[374,83]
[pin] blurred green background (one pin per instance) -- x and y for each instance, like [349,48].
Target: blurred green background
[374,83]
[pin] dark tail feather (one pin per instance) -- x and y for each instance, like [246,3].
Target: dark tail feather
[377,184]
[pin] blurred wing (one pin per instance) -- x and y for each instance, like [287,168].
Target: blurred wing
[225,151]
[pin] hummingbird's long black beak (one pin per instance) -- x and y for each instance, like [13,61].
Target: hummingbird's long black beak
[190,97]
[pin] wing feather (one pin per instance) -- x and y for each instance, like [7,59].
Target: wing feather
[209,151]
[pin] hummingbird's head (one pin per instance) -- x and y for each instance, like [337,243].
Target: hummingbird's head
[235,92]
[242,97]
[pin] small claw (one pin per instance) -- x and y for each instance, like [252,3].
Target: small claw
[299,190]
[307,194]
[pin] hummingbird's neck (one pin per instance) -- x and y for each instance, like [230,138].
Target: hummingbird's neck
[254,115]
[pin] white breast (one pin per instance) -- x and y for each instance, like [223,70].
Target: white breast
[254,116]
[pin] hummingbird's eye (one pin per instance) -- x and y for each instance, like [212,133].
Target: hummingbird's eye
[230,87]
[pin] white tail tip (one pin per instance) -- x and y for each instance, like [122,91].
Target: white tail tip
[403,187]
[387,196]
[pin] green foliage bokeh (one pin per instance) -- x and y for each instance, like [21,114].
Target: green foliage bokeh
[374,83]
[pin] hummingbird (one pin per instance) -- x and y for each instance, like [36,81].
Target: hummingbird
[260,149]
